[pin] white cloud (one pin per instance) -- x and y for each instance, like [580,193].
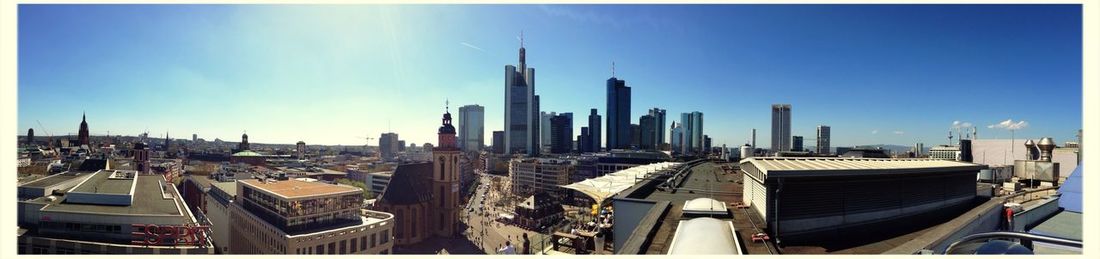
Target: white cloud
[874,131]
[471,46]
[898,132]
[1009,125]
[961,124]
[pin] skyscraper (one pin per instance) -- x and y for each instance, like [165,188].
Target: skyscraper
[544,119]
[659,121]
[823,136]
[595,131]
[194,137]
[471,127]
[520,107]
[781,127]
[797,143]
[388,146]
[618,114]
[561,133]
[676,134]
[82,137]
[498,142]
[635,136]
[584,141]
[648,130]
[30,137]
[692,124]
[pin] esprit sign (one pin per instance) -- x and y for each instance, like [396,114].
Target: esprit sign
[151,234]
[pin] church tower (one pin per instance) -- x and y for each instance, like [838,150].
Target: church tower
[445,180]
[82,136]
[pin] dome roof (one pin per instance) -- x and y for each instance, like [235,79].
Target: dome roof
[246,153]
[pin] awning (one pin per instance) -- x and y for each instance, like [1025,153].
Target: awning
[603,187]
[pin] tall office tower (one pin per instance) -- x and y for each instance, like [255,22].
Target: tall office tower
[754,138]
[471,127]
[797,143]
[706,144]
[659,119]
[919,149]
[544,136]
[498,142]
[388,146]
[300,149]
[635,136]
[618,114]
[648,130]
[82,136]
[584,141]
[194,137]
[561,134]
[676,134]
[520,107]
[692,124]
[446,179]
[824,134]
[781,127]
[30,137]
[595,130]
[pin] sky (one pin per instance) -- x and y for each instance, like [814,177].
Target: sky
[338,74]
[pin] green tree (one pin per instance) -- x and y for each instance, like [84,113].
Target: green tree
[367,194]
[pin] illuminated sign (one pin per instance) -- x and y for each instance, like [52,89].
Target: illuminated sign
[169,235]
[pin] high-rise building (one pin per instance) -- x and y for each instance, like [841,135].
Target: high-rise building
[659,121]
[706,144]
[388,146]
[648,130]
[194,137]
[471,127]
[498,142]
[300,149]
[781,127]
[692,124]
[305,217]
[584,141]
[676,134]
[594,130]
[618,114]
[561,135]
[30,137]
[824,134]
[82,137]
[635,135]
[753,138]
[544,136]
[520,107]
[797,143]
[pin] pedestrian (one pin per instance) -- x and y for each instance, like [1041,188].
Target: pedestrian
[526,245]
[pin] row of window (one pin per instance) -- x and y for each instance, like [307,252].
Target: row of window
[344,245]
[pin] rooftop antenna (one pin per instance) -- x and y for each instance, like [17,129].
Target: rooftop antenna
[521,38]
[949,137]
[612,68]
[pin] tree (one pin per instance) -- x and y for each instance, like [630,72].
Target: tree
[366,190]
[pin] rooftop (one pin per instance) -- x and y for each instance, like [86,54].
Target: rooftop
[807,166]
[54,179]
[296,189]
[147,200]
[107,182]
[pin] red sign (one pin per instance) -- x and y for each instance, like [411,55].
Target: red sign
[169,235]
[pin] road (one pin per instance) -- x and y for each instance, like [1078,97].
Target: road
[481,215]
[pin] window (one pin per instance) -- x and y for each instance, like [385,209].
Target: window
[363,242]
[441,221]
[320,249]
[343,247]
[415,216]
[332,247]
[372,235]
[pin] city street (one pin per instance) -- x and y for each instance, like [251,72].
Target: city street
[481,216]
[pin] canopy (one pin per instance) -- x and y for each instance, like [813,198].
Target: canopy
[1071,191]
[603,187]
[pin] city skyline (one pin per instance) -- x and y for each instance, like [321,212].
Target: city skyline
[877,74]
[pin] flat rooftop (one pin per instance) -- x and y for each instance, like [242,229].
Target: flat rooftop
[296,189]
[227,187]
[147,201]
[102,183]
[813,166]
[54,179]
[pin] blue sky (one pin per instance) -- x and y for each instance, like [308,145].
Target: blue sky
[332,74]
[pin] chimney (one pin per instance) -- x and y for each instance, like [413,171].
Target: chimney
[1046,146]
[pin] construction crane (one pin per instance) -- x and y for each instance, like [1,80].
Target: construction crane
[47,133]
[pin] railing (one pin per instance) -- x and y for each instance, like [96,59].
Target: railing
[1025,238]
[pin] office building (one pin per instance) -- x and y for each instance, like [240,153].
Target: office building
[388,146]
[618,114]
[107,212]
[471,127]
[300,150]
[692,124]
[498,142]
[584,141]
[561,135]
[781,127]
[635,136]
[521,109]
[658,129]
[544,135]
[706,144]
[676,134]
[796,143]
[800,198]
[647,130]
[824,134]
[533,175]
[302,216]
[595,131]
